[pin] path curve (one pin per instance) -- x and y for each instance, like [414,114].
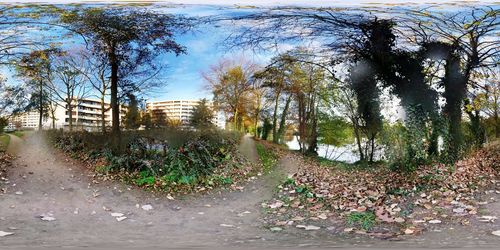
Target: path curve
[44,181]
[52,183]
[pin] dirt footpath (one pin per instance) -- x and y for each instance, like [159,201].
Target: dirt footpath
[52,201]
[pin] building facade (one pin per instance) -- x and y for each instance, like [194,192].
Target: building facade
[87,115]
[28,120]
[180,111]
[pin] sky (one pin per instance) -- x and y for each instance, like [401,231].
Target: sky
[183,75]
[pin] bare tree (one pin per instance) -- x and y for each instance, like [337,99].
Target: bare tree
[67,82]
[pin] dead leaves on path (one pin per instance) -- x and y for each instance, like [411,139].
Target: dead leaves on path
[434,194]
[3,233]
[5,164]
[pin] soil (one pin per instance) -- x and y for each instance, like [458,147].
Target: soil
[43,181]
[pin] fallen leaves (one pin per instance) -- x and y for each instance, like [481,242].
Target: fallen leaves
[243,213]
[434,222]
[121,218]
[47,217]
[408,201]
[487,218]
[277,204]
[322,216]
[3,233]
[308,227]
[147,207]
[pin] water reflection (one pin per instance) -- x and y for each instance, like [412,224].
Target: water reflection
[345,153]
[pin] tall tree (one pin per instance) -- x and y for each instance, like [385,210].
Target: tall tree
[230,83]
[128,39]
[36,69]
[202,115]
[463,41]
[132,118]
[96,71]
[67,83]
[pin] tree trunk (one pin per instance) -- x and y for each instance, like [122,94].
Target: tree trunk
[235,119]
[495,116]
[275,117]
[40,108]
[358,140]
[302,121]
[115,107]
[256,121]
[372,149]
[103,115]
[70,110]
[53,114]
[281,130]
[455,84]
[313,143]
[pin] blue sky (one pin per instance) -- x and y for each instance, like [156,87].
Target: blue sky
[184,73]
[182,78]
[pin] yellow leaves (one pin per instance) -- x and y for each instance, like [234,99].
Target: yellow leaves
[67,17]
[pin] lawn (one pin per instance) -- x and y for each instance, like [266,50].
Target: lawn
[267,157]
[19,134]
[4,142]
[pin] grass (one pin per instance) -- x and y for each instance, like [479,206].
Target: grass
[19,134]
[267,157]
[4,142]
[365,220]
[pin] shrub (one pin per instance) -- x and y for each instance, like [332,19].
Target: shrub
[168,155]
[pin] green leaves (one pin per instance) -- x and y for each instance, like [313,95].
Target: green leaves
[365,220]
[334,130]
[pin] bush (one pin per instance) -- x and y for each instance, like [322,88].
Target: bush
[168,155]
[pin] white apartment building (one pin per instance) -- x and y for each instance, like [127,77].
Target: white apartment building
[181,110]
[86,115]
[27,120]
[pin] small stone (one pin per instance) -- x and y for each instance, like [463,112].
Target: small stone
[121,218]
[399,220]
[147,207]
[311,227]
[47,218]
[276,229]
